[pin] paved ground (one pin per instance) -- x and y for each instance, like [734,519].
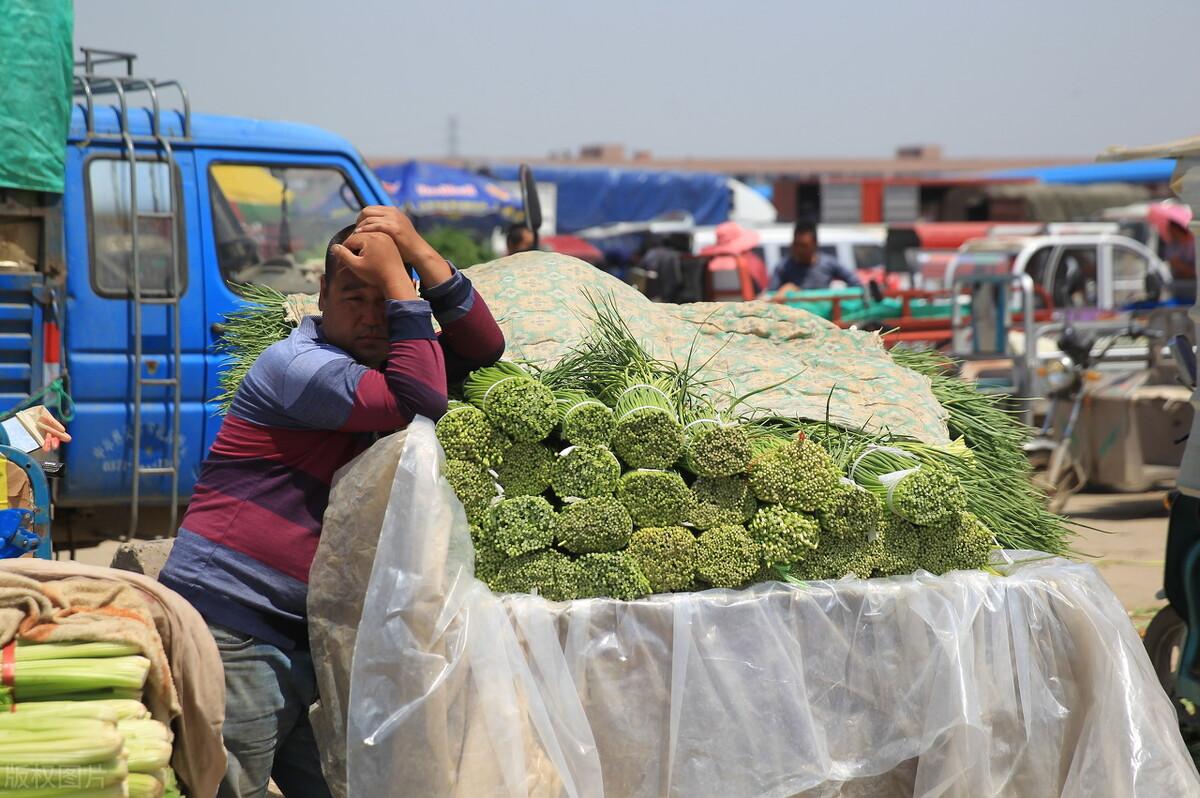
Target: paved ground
[1127,545]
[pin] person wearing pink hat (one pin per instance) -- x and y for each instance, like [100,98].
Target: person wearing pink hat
[808,268]
[1178,245]
[733,255]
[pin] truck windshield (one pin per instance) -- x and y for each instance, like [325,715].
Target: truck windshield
[272,223]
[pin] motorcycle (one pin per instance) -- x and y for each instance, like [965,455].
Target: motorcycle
[1174,653]
[1053,451]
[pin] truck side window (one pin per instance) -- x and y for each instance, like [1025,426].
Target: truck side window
[272,223]
[1074,281]
[1129,276]
[111,242]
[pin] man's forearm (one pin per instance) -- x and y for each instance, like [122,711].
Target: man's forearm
[431,267]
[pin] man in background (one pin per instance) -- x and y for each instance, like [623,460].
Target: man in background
[519,238]
[807,268]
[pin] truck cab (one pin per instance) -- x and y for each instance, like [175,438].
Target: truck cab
[130,272]
[1099,271]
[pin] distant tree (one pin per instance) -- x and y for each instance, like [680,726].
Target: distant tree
[459,246]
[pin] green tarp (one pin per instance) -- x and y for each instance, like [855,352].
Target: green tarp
[35,92]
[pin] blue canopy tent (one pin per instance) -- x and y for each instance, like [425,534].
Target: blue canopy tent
[432,190]
[1149,171]
[590,197]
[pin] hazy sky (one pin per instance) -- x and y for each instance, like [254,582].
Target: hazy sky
[682,77]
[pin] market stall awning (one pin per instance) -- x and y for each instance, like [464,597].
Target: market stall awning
[243,184]
[430,189]
[1157,170]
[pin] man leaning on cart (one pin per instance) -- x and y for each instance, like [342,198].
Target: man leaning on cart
[312,402]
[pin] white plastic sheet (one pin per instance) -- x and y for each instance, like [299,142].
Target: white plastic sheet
[966,685]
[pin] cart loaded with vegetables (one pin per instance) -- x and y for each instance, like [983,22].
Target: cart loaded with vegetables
[107,686]
[711,550]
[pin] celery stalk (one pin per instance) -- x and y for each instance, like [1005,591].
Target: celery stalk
[107,694]
[96,710]
[29,652]
[111,710]
[143,785]
[19,722]
[53,677]
[86,749]
[147,756]
[145,729]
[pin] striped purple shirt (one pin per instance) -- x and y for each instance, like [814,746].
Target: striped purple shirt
[304,410]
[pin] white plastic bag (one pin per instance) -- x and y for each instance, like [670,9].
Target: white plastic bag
[964,685]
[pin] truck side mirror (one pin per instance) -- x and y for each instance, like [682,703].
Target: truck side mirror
[531,202]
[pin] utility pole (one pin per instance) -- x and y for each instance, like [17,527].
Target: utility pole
[452,136]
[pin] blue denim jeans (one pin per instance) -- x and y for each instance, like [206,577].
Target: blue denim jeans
[267,734]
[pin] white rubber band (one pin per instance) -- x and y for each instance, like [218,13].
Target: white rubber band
[632,410]
[499,488]
[654,388]
[873,449]
[892,480]
[455,409]
[578,405]
[716,421]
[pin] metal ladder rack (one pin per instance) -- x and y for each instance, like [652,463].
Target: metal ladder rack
[157,145]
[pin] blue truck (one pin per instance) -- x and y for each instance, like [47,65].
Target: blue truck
[119,285]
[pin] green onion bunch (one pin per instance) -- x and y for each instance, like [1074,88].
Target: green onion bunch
[614,575]
[472,484]
[488,556]
[783,536]
[727,556]
[898,548]
[584,471]
[548,573]
[856,517]
[798,474]
[647,433]
[836,557]
[998,477]
[514,400]
[714,447]
[600,524]
[583,419]
[721,501]
[466,434]
[666,555]
[924,493]
[247,332]
[960,543]
[525,469]
[655,498]
[522,524]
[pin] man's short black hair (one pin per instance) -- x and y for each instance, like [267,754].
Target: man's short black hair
[332,263]
[805,226]
[514,234]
